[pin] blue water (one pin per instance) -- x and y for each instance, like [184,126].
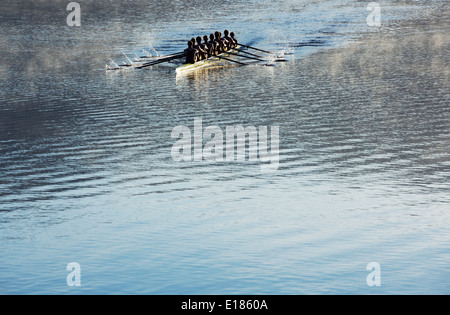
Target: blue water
[87,174]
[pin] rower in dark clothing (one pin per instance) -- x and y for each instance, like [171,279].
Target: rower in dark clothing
[202,53]
[224,41]
[207,45]
[191,56]
[228,41]
[233,38]
[214,44]
[221,44]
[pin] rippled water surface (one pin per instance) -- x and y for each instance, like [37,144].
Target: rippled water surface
[87,174]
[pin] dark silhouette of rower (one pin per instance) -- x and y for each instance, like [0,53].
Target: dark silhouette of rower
[191,55]
[219,41]
[228,40]
[201,52]
[234,40]
[214,44]
[207,45]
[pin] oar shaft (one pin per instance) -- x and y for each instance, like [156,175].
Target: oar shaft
[243,56]
[169,56]
[246,52]
[241,63]
[149,64]
[276,60]
[157,57]
[250,47]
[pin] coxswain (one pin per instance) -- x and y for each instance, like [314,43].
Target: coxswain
[191,56]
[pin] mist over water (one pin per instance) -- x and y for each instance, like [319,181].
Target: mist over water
[87,174]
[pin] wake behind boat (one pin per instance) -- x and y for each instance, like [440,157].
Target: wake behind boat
[212,51]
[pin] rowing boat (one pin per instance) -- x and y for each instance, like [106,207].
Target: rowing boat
[214,61]
[207,63]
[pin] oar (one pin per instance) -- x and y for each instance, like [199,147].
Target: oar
[162,60]
[169,56]
[250,47]
[241,63]
[155,62]
[243,56]
[276,60]
[246,52]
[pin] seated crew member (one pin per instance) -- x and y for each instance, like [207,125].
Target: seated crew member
[202,54]
[233,38]
[224,41]
[207,45]
[229,42]
[214,44]
[191,56]
[218,40]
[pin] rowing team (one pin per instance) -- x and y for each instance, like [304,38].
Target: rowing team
[212,46]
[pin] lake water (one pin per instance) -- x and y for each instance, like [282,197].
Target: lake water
[87,173]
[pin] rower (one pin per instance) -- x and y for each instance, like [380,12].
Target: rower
[234,40]
[224,41]
[207,45]
[191,56]
[218,40]
[228,41]
[202,53]
[214,44]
